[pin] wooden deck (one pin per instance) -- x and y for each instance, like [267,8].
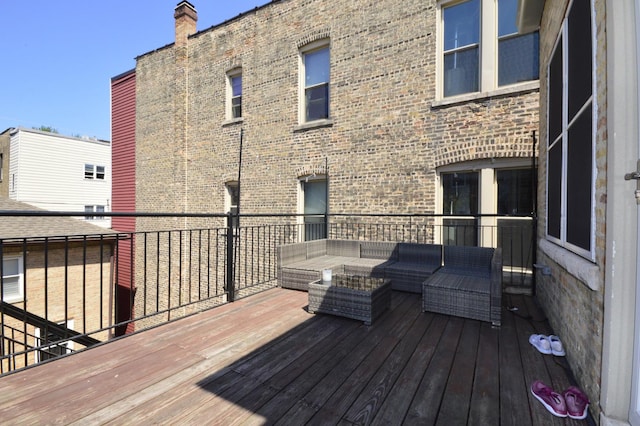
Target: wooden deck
[265,360]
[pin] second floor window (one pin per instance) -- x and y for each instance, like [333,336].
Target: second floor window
[94,172]
[518,58]
[481,53]
[234,98]
[315,64]
[461,48]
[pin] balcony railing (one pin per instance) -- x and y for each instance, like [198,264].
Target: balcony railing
[70,292]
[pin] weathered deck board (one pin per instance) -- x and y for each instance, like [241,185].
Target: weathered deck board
[265,360]
[485,396]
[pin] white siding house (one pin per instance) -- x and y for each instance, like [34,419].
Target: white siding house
[61,173]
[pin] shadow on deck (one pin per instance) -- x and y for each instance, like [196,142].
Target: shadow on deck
[266,360]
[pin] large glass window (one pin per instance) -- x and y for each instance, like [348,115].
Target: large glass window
[316,84]
[515,191]
[518,58]
[474,36]
[570,148]
[460,193]
[475,193]
[315,204]
[460,198]
[461,48]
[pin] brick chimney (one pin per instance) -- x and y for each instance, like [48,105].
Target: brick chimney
[186,17]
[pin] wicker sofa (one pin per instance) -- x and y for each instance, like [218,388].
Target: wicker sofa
[468,285]
[407,265]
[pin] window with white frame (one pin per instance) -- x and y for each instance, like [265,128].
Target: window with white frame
[313,202]
[473,193]
[94,209]
[92,171]
[234,94]
[12,279]
[52,345]
[571,135]
[314,96]
[481,48]
[231,200]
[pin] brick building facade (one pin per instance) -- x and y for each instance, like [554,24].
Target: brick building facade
[56,280]
[588,229]
[379,118]
[576,285]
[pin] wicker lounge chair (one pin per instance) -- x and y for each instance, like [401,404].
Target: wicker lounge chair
[468,285]
[415,263]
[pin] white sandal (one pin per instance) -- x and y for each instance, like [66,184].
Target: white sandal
[556,346]
[541,343]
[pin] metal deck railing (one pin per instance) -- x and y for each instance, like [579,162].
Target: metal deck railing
[73,292]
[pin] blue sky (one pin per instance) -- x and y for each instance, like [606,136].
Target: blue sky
[58,57]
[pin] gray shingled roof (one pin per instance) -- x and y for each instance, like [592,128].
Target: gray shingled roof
[42,226]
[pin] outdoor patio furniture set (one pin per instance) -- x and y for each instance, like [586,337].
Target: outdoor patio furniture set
[453,280]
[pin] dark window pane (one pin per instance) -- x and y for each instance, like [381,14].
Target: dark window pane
[461,72]
[315,202]
[515,237]
[460,232]
[555,94]
[518,59]
[88,171]
[462,25]
[99,172]
[515,191]
[233,193]
[579,57]
[54,350]
[554,190]
[579,169]
[460,193]
[317,99]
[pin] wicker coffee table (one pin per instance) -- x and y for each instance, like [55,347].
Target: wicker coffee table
[351,296]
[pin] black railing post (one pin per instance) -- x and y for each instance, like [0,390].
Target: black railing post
[534,213]
[230,284]
[326,225]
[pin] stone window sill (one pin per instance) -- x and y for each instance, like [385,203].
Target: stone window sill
[503,91]
[313,125]
[582,269]
[233,121]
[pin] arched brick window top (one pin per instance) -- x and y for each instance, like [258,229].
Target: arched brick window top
[304,172]
[485,149]
[322,34]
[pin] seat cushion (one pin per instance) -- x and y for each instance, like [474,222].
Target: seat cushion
[458,282]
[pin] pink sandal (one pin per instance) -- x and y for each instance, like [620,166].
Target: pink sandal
[577,403]
[552,401]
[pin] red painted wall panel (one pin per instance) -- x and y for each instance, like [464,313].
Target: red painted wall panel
[123,160]
[123,148]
